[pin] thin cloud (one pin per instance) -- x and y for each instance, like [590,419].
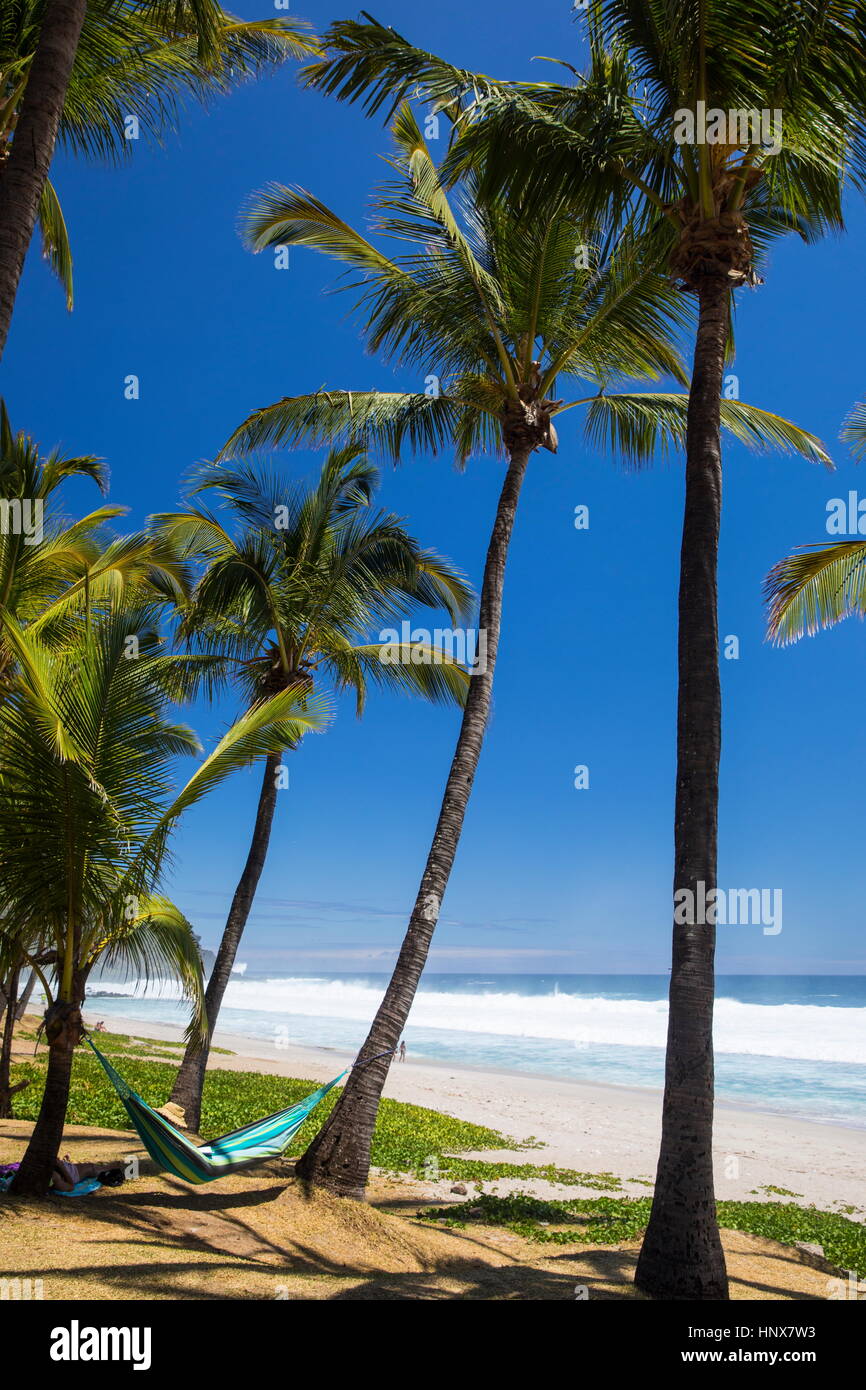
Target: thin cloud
[303,912]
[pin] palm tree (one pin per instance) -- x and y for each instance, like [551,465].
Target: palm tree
[51,567]
[291,595]
[503,308]
[86,753]
[627,144]
[79,71]
[822,584]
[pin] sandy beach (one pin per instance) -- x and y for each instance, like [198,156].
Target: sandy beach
[585,1126]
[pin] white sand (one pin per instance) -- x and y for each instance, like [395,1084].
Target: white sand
[585,1126]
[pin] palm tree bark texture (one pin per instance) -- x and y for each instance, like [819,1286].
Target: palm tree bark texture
[682,1256]
[23,175]
[339,1157]
[189,1084]
[63,1032]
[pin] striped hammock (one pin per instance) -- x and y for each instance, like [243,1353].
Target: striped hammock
[173,1152]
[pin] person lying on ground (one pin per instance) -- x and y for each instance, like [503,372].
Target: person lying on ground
[67,1175]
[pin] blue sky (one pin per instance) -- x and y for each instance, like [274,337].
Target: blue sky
[548,878]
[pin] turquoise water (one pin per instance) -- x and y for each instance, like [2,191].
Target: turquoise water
[795,1044]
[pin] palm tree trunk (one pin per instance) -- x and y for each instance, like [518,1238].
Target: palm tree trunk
[339,1156]
[5,986]
[6,1046]
[63,1029]
[188,1087]
[682,1256]
[23,176]
[24,1000]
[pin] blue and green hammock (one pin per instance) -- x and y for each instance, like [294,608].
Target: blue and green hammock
[173,1152]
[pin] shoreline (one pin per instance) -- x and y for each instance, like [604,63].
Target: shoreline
[589,1126]
[259,1049]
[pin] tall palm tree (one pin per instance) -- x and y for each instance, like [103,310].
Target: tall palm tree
[296,582]
[86,812]
[627,144]
[504,308]
[78,71]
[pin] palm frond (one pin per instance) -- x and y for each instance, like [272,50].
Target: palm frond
[383,421]
[55,238]
[149,937]
[420,668]
[372,62]
[815,588]
[853,431]
[638,424]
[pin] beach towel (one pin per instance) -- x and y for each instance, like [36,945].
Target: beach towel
[81,1189]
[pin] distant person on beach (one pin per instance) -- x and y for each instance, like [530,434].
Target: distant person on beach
[99,1027]
[402,1050]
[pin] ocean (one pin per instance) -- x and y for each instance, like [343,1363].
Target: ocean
[795,1044]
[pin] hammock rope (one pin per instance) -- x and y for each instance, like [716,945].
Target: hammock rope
[173,1152]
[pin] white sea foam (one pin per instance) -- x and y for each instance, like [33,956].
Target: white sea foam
[799,1031]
